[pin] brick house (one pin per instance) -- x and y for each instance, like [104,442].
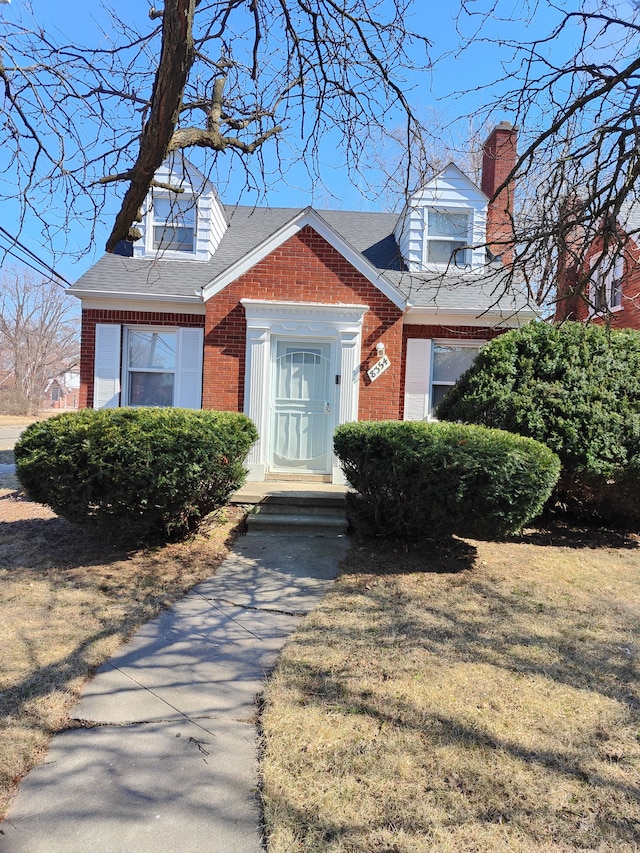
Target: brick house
[613,291]
[62,392]
[303,319]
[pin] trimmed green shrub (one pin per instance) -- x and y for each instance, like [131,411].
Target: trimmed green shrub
[575,388]
[417,481]
[135,474]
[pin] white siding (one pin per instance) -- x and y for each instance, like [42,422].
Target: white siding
[106,380]
[449,190]
[417,379]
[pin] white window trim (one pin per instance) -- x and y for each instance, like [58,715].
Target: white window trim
[152,223]
[606,273]
[468,251]
[447,342]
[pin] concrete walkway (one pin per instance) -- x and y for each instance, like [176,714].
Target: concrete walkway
[164,756]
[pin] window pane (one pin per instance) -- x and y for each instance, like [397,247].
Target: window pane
[174,223]
[152,349]
[443,223]
[150,389]
[616,293]
[175,237]
[180,211]
[600,295]
[616,283]
[444,252]
[450,362]
[438,393]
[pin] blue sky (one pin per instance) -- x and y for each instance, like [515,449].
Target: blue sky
[80,22]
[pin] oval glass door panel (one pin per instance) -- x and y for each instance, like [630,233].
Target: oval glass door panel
[302,408]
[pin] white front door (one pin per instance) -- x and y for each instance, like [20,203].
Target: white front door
[303,403]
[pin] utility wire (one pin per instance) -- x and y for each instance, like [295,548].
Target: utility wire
[14,242]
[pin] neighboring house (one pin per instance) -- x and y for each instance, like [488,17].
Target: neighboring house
[63,392]
[612,294]
[303,319]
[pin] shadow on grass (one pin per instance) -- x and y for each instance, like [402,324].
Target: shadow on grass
[448,556]
[588,646]
[562,535]
[612,825]
[469,620]
[455,555]
[54,542]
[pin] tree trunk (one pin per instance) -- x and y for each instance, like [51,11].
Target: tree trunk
[176,59]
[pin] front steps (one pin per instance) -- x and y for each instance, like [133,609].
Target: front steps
[307,509]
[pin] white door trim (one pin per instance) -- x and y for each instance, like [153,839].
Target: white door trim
[341,324]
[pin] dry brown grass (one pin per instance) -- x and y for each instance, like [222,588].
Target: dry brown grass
[482,698]
[17,420]
[66,602]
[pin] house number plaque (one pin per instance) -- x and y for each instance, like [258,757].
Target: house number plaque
[379,368]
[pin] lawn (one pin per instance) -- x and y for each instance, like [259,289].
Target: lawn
[478,697]
[483,697]
[67,601]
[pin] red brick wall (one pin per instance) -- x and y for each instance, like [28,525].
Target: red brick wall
[499,158]
[459,333]
[131,318]
[304,269]
[573,306]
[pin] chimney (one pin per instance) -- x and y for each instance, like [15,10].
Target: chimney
[498,159]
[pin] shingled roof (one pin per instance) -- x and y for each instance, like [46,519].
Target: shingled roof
[370,235]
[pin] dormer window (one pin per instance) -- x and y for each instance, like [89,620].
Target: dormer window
[174,223]
[187,223]
[447,237]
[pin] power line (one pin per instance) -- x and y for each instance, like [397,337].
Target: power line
[14,242]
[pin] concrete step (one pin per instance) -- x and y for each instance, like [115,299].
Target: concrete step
[327,510]
[296,524]
[294,508]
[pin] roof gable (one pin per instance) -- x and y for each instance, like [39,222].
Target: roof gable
[449,184]
[307,217]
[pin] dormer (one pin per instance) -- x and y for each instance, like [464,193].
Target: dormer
[443,226]
[184,225]
[451,225]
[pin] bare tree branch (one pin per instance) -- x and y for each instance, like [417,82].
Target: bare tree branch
[573,93]
[229,77]
[39,337]
[176,59]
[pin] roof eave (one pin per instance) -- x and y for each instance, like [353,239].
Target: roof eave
[85,293]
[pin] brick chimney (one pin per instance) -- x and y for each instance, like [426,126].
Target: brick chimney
[498,159]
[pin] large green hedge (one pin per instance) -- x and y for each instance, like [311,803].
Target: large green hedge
[575,388]
[135,474]
[417,481]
